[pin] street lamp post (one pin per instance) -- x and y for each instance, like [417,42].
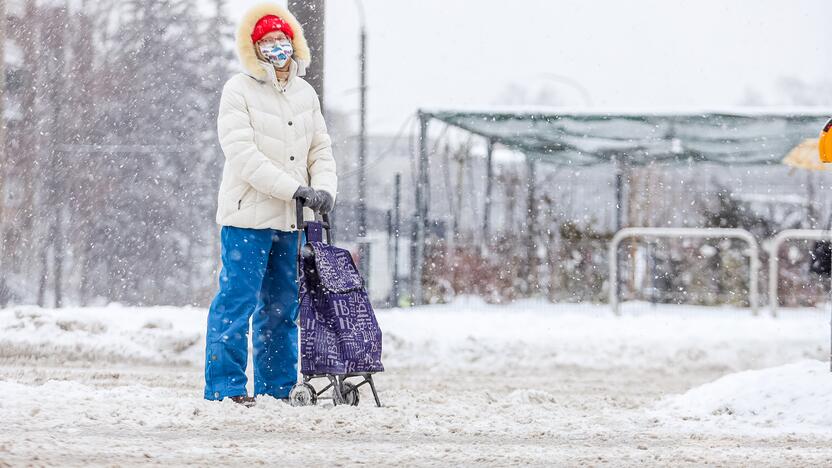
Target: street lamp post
[363,244]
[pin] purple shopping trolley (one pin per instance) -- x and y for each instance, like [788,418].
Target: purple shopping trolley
[339,336]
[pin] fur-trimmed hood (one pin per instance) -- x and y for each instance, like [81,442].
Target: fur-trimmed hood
[245,47]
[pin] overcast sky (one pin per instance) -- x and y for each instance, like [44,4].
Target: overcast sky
[635,53]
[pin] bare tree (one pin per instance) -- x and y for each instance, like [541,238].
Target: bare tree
[3,23]
[19,224]
[114,190]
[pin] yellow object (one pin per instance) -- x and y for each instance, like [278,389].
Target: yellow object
[805,156]
[825,143]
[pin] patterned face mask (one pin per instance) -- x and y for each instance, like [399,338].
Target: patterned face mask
[277,53]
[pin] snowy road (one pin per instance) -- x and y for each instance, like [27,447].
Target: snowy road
[526,384]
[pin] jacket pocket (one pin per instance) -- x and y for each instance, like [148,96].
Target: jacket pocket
[243,198]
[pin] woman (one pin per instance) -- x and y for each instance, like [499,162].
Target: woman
[276,149]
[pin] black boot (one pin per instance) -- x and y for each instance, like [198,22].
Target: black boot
[244,400]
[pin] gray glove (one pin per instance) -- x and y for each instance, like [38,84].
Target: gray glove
[316,200]
[327,203]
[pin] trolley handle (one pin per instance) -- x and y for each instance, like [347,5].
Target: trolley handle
[299,201]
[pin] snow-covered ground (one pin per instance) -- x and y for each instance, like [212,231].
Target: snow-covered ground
[466,383]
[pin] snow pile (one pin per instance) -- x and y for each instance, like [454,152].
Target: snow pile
[467,334]
[157,335]
[791,398]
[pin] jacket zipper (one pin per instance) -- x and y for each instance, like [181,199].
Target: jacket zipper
[281,91]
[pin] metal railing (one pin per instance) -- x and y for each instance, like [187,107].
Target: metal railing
[707,233]
[774,259]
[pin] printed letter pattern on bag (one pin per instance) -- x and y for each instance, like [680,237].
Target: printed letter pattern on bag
[339,331]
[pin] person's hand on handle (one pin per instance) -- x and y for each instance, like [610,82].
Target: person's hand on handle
[305,195]
[316,200]
[327,203]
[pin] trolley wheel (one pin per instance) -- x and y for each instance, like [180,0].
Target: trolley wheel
[350,394]
[303,395]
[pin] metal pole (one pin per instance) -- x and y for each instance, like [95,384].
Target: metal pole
[312,14]
[619,195]
[362,142]
[363,244]
[574,84]
[489,182]
[753,288]
[397,220]
[773,273]
[389,250]
[615,279]
[613,256]
[421,210]
[530,280]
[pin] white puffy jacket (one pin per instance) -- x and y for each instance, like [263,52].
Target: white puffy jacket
[274,139]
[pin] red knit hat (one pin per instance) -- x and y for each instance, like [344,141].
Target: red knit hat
[271,23]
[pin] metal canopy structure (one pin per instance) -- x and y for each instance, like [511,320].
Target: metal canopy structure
[629,138]
[584,138]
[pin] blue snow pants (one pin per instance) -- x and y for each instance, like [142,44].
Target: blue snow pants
[257,282]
